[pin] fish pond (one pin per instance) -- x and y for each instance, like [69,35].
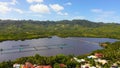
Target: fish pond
[10,50]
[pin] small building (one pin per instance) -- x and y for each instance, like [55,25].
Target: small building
[62,66]
[103,44]
[99,55]
[16,65]
[92,56]
[28,65]
[44,66]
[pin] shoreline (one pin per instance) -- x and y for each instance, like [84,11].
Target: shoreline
[22,39]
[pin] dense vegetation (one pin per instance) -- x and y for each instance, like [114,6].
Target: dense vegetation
[111,53]
[22,29]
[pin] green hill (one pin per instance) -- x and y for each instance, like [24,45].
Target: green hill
[27,29]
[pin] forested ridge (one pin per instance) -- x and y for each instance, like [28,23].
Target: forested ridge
[27,29]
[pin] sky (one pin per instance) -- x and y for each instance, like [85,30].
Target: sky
[93,10]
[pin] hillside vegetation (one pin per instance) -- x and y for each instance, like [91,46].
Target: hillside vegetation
[15,30]
[27,29]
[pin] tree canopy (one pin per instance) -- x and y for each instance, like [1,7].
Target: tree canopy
[27,29]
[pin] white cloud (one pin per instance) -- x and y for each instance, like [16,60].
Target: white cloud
[31,1]
[18,10]
[4,7]
[79,17]
[9,18]
[68,3]
[37,15]
[13,2]
[64,14]
[102,11]
[97,10]
[40,8]
[56,7]
[4,3]
[116,19]
[105,16]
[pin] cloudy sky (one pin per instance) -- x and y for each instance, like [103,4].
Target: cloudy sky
[93,10]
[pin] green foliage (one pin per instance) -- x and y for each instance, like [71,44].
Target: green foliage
[7,64]
[112,52]
[56,65]
[15,30]
[71,64]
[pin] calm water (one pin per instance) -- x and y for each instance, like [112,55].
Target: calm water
[50,46]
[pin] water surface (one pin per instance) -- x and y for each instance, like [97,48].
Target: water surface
[49,47]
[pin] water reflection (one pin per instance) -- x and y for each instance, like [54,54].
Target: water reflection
[50,46]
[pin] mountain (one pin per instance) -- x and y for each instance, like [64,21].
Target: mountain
[27,29]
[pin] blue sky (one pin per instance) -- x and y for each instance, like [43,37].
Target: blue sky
[93,10]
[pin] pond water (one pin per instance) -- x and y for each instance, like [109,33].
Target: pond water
[10,50]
